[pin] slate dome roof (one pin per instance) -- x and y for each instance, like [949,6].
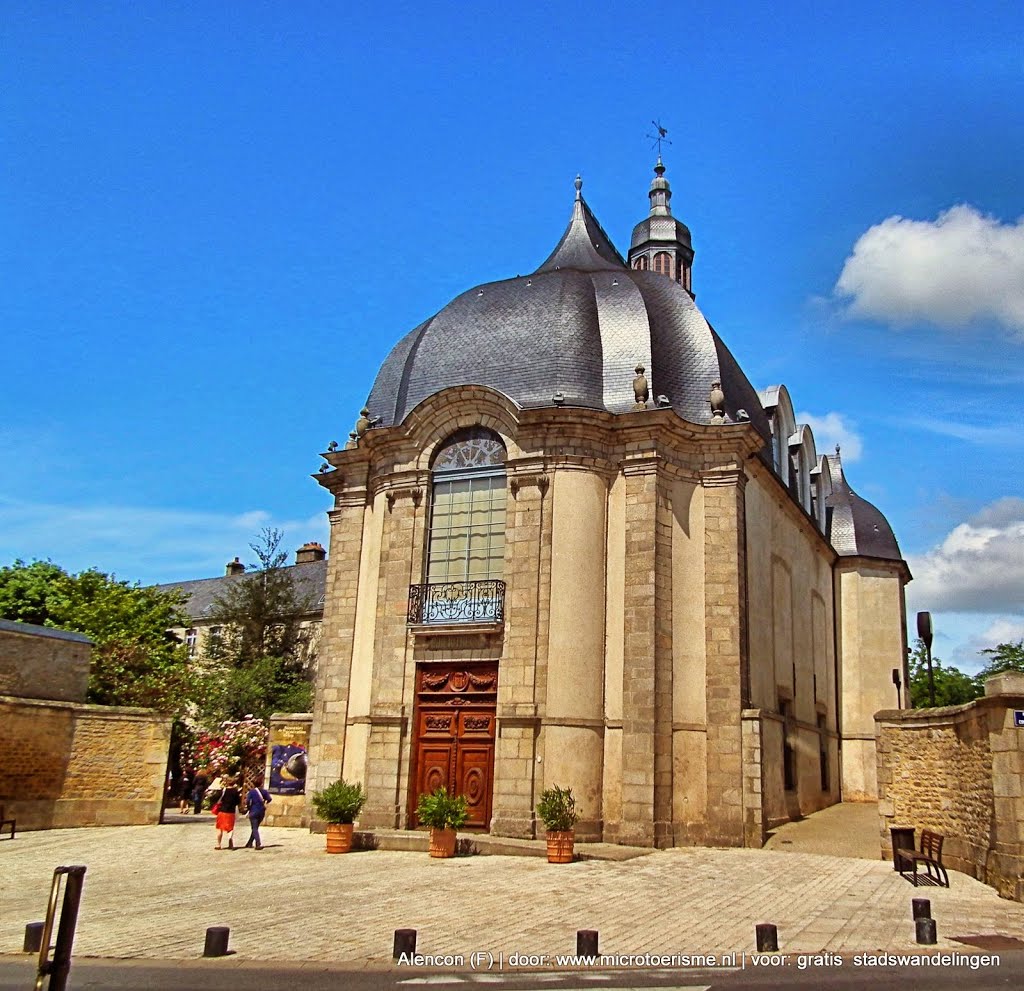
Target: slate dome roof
[579,325]
[857,528]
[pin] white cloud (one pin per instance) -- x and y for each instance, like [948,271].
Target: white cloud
[141,544]
[978,567]
[998,435]
[959,268]
[832,429]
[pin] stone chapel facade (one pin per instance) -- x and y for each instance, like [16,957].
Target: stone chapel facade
[571,544]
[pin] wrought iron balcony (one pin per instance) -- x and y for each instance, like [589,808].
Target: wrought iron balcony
[457,602]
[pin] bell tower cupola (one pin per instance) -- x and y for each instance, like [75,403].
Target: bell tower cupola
[661,243]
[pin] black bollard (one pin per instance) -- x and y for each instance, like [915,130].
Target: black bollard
[767,937]
[926,931]
[586,943]
[922,908]
[216,941]
[33,937]
[405,942]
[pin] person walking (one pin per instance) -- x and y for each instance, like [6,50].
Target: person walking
[199,786]
[185,790]
[226,807]
[256,801]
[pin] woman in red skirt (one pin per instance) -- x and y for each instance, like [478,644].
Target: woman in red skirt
[230,799]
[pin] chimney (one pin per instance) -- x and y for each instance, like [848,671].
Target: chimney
[234,567]
[308,553]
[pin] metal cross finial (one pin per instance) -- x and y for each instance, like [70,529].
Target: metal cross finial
[660,137]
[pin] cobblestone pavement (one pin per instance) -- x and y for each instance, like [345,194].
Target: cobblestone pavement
[151,891]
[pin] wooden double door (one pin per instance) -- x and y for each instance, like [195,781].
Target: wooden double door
[455,729]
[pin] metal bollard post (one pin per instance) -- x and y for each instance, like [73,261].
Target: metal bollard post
[922,908]
[926,933]
[586,943]
[767,935]
[57,969]
[216,941]
[405,942]
[33,937]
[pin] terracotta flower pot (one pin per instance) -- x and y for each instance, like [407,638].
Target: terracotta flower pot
[339,837]
[442,842]
[560,847]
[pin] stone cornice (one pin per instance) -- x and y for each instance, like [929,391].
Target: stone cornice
[855,562]
[716,478]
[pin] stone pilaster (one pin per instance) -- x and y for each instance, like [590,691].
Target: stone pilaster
[334,665]
[524,663]
[647,682]
[727,676]
[392,692]
[754,826]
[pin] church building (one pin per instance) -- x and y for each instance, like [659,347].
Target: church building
[571,544]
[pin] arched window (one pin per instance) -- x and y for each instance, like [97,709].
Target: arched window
[663,263]
[640,264]
[467,516]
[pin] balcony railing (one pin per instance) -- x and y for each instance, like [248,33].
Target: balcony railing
[457,602]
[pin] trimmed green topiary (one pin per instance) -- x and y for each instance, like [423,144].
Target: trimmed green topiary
[339,802]
[557,809]
[440,810]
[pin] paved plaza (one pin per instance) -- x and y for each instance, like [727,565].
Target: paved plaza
[151,891]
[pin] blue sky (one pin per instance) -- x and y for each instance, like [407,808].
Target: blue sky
[216,219]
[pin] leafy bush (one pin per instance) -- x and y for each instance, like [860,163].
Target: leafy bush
[557,809]
[339,802]
[440,810]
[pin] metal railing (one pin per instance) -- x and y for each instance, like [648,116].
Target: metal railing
[457,602]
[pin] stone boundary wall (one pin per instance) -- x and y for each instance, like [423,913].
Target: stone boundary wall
[289,810]
[958,771]
[64,764]
[39,663]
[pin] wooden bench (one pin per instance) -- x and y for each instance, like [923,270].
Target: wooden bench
[6,823]
[930,855]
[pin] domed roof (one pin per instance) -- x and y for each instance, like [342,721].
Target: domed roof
[579,326]
[856,528]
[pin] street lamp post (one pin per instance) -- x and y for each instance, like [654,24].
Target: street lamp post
[925,631]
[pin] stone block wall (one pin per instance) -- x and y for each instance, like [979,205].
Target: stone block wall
[958,771]
[64,764]
[39,663]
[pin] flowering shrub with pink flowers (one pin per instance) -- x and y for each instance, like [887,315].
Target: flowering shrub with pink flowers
[235,748]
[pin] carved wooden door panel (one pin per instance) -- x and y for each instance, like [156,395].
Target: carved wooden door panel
[455,728]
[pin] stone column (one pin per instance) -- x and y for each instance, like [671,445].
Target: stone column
[728,675]
[573,722]
[528,580]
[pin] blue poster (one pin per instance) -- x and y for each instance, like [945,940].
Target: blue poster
[288,769]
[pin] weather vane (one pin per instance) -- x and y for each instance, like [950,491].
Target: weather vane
[660,137]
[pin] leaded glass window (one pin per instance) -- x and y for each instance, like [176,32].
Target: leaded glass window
[467,519]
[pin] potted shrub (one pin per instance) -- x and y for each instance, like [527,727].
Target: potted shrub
[338,805]
[557,810]
[444,814]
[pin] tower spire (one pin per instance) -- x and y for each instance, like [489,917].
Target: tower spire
[661,243]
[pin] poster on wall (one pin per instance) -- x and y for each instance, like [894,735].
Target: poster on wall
[288,745]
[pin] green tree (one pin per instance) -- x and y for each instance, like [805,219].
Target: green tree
[952,686]
[1004,657]
[134,661]
[261,611]
[258,663]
